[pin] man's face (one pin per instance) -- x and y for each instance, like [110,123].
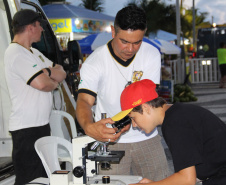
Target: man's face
[126,43]
[37,31]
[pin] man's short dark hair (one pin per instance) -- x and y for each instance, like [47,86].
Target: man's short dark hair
[157,102]
[20,29]
[25,17]
[130,17]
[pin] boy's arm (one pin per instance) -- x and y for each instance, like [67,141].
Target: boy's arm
[186,176]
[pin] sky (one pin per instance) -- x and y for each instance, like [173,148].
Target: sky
[215,8]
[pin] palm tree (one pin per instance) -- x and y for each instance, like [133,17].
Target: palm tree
[44,2]
[159,16]
[94,5]
[162,16]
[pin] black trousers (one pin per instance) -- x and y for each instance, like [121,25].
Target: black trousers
[27,164]
[223,69]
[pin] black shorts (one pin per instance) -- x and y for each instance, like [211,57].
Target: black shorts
[223,69]
[27,164]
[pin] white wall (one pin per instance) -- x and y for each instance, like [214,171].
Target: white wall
[5,104]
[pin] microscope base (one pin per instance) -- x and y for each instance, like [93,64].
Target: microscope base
[114,180]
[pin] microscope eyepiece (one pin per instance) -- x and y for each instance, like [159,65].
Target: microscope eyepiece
[122,123]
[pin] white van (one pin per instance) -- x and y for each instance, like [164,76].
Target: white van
[50,47]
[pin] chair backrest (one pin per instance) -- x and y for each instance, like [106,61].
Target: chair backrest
[46,148]
[58,126]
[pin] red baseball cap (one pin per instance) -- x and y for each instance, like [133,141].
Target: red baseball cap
[136,94]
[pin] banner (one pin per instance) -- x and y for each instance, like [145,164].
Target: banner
[61,25]
[79,25]
[90,26]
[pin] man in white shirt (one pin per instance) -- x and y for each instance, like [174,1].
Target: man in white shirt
[105,73]
[30,78]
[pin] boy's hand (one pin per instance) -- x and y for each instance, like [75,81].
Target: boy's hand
[143,181]
[126,128]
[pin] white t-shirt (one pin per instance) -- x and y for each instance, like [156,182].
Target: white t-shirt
[104,75]
[30,107]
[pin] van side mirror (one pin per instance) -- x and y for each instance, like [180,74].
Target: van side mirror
[74,55]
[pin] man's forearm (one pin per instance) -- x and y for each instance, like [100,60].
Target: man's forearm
[44,83]
[84,114]
[50,85]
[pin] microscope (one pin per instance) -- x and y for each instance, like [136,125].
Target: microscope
[87,158]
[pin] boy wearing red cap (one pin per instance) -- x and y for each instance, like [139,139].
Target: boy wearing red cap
[196,137]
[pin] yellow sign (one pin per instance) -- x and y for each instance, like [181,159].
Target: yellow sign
[61,25]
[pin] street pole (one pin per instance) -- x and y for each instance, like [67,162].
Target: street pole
[193,21]
[178,28]
[178,25]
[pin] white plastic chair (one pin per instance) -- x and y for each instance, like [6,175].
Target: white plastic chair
[59,129]
[58,126]
[46,148]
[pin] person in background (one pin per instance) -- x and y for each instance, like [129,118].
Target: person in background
[30,78]
[195,136]
[221,56]
[105,73]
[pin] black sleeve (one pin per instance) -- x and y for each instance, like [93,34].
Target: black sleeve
[34,76]
[87,91]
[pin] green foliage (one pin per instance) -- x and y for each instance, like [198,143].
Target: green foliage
[183,93]
[94,5]
[44,2]
[187,18]
[162,16]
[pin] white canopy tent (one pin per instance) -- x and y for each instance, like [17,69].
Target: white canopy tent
[166,47]
[91,42]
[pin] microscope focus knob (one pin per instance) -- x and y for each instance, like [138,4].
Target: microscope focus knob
[78,171]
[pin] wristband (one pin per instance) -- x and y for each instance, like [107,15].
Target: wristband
[49,71]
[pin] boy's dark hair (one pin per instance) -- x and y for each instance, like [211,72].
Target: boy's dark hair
[157,102]
[130,17]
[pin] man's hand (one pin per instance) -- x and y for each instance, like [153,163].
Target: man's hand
[101,132]
[57,73]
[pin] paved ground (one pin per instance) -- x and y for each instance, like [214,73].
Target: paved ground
[210,97]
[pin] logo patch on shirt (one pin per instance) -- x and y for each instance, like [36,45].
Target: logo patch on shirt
[137,76]
[41,58]
[35,65]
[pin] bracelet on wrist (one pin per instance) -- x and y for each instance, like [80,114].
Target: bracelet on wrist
[49,71]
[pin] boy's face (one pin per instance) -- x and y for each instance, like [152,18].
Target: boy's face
[143,121]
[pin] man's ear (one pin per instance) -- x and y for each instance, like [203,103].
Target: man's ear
[112,31]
